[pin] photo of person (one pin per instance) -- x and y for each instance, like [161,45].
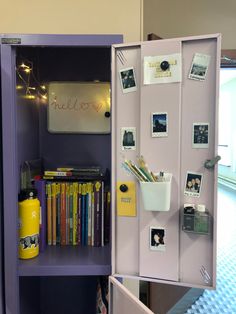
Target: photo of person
[128,138]
[193,184]
[157,239]
[128,81]
[159,124]
[200,135]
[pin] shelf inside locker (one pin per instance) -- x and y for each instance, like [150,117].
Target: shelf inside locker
[68,261]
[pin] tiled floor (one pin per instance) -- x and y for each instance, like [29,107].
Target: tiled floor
[223,299]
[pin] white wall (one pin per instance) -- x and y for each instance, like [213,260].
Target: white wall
[177,18]
[73,17]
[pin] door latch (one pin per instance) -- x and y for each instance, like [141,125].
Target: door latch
[210,163]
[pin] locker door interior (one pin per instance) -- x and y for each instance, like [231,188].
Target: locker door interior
[123,301]
[165,108]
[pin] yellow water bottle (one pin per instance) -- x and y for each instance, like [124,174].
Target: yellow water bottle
[29,212]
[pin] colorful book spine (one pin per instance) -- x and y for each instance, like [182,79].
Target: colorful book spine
[71,213]
[75,213]
[92,215]
[58,173]
[83,213]
[54,208]
[97,214]
[107,217]
[79,214]
[58,216]
[102,213]
[40,186]
[67,212]
[63,214]
[86,214]
[89,197]
[49,214]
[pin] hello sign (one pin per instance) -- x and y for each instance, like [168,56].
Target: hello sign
[79,107]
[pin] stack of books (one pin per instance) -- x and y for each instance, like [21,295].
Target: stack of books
[77,207]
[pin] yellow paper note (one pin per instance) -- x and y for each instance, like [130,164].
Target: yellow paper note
[126,198]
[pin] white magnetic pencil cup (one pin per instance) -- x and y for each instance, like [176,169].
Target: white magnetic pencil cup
[156,195]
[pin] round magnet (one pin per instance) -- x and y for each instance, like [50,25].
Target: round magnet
[123,188]
[165,65]
[107,114]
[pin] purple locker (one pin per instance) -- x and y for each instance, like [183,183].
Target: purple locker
[25,137]
[25,123]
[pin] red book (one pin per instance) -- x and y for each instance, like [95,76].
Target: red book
[63,214]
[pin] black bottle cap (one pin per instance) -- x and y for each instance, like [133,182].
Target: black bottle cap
[27,194]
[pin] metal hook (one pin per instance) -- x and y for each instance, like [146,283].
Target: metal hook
[210,163]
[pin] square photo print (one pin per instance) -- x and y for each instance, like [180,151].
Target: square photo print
[193,184]
[200,135]
[159,122]
[128,138]
[157,239]
[128,81]
[199,67]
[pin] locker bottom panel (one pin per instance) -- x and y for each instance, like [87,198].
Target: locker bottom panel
[59,295]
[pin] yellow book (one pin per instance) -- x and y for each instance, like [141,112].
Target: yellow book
[49,213]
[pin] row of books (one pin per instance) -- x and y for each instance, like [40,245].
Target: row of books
[77,213]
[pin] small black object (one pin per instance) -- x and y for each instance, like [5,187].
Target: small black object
[107,114]
[26,194]
[189,210]
[165,65]
[123,188]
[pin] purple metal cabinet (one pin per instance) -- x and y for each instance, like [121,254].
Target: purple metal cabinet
[1,233]
[25,137]
[188,258]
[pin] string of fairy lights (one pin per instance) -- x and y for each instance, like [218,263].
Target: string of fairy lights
[31,87]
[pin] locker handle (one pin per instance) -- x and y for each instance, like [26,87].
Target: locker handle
[210,163]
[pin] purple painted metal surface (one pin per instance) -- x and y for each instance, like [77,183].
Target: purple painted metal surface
[10,188]
[14,151]
[172,154]
[65,40]
[68,261]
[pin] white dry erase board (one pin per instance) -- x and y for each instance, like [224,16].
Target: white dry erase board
[79,107]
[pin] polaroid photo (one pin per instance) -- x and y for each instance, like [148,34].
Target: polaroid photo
[159,123]
[157,239]
[128,80]
[200,138]
[128,138]
[199,67]
[193,184]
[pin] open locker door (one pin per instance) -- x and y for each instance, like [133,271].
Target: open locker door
[123,301]
[165,108]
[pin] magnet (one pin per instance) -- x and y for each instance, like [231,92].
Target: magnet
[165,65]
[123,188]
[107,114]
